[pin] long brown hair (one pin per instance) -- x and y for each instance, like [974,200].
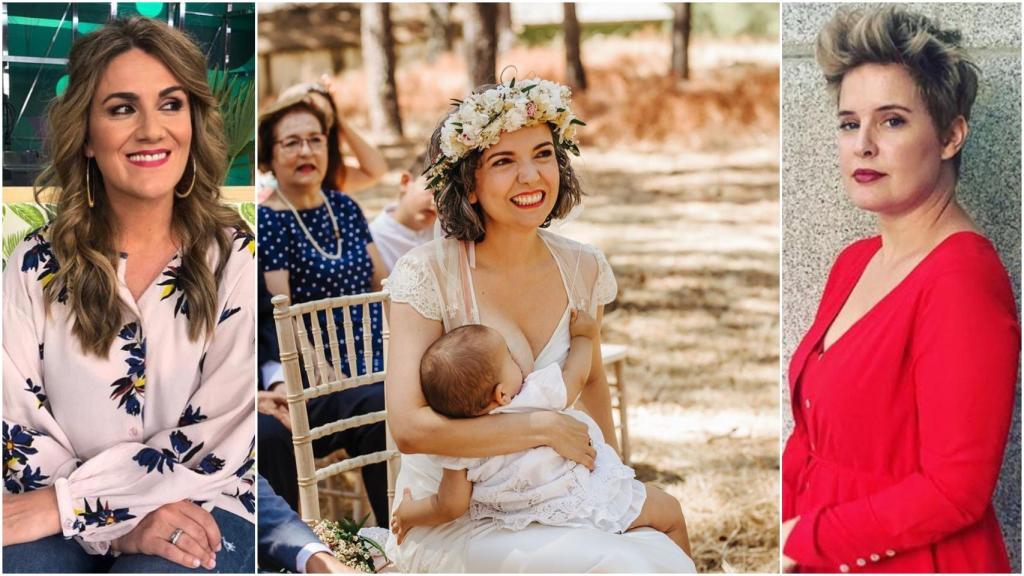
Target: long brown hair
[83,238]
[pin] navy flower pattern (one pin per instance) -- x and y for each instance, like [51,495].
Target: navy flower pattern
[18,476]
[130,390]
[170,288]
[37,391]
[40,258]
[191,416]
[101,514]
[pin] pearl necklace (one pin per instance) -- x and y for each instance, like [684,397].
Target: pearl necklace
[334,224]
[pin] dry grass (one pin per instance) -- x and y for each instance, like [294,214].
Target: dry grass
[682,184]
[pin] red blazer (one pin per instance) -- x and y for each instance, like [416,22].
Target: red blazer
[899,438]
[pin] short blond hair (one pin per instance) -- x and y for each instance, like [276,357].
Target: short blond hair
[934,57]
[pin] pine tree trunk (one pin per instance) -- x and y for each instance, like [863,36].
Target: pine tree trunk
[575,76]
[506,37]
[681,41]
[379,61]
[439,30]
[481,43]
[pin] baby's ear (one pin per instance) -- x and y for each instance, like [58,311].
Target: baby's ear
[501,396]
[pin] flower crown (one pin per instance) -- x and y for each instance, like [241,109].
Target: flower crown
[482,118]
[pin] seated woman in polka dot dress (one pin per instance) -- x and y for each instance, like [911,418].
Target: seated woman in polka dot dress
[314,243]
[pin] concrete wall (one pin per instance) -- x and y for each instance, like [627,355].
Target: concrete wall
[818,221]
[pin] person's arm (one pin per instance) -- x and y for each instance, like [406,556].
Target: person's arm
[450,502]
[380,271]
[369,166]
[36,450]
[582,331]
[596,398]
[794,458]
[964,359]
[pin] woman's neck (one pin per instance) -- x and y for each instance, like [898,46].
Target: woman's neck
[920,229]
[302,198]
[509,249]
[143,225]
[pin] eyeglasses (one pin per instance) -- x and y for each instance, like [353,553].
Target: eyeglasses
[292,146]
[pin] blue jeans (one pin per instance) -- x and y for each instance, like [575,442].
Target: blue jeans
[54,554]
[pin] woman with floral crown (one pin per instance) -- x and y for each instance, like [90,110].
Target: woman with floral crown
[500,173]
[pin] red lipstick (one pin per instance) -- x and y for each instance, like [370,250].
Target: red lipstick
[865,176]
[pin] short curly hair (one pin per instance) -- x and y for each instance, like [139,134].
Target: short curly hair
[934,57]
[464,221]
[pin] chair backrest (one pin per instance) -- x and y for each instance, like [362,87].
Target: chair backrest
[301,333]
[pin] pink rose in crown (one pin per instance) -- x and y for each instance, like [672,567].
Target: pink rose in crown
[531,109]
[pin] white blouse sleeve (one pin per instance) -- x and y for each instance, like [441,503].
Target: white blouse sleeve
[208,453]
[36,451]
[412,282]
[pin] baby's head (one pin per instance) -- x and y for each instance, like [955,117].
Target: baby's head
[469,372]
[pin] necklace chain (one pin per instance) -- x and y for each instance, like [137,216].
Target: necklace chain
[309,236]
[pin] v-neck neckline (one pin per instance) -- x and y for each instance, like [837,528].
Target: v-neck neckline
[568,304]
[130,298]
[820,344]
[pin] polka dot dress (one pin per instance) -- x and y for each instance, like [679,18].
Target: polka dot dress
[284,246]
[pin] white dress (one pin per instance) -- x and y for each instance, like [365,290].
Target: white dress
[539,485]
[436,280]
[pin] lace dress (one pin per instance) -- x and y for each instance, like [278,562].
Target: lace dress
[436,280]
[541,486]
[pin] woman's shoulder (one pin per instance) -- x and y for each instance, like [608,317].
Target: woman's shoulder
[342,200]
[965,262]
[241,260]
[33,255]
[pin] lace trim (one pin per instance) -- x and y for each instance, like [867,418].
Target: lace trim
[605,288]
[608,499]
[412,283]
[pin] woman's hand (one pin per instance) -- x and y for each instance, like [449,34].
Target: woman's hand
[30,516]
[274,403]
[198,543]
[567,436]
[788,564]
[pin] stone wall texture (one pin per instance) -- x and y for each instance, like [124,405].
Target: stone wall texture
[818,221]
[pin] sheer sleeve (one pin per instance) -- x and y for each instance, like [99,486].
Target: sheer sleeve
[605,288]
[207,454]
[412,282]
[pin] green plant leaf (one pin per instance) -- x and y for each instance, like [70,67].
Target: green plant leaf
[236,96]
[32,215]
[10,242]
[248,212]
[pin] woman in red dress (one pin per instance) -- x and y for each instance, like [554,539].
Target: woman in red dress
[903,388]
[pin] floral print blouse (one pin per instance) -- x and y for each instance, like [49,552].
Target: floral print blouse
[160,419]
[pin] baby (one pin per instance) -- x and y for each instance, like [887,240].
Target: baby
[470,372]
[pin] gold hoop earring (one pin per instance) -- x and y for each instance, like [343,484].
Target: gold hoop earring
[190,186]
[88,183]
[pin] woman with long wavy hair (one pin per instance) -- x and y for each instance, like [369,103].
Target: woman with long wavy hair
[128,327]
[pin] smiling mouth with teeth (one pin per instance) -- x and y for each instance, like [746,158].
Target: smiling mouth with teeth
[147,157]
[528,199]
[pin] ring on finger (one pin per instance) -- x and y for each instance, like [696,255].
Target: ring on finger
[175,536]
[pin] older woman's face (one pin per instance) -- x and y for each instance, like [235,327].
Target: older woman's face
[517,179]
[140,128]
[890,152]
[300,152]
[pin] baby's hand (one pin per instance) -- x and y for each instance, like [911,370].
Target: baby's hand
[398,527]
[581,324]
